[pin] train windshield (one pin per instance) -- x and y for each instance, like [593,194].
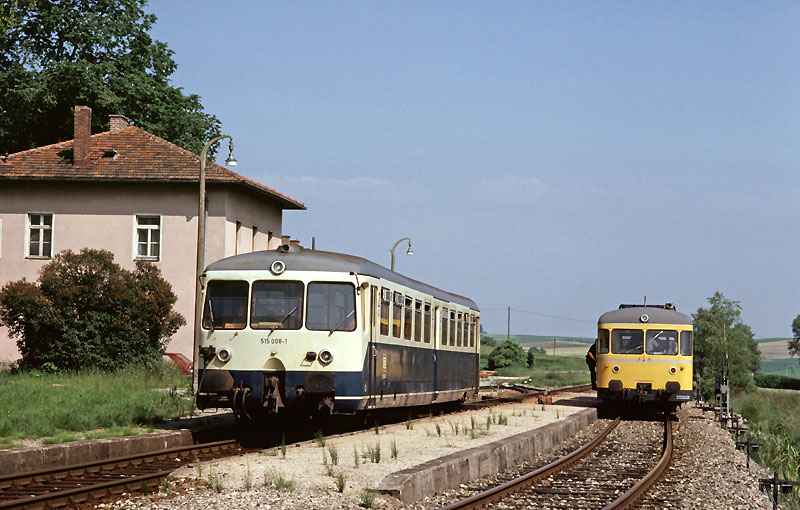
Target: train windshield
[661,342]
[627,341]
[331,307]
[226,305]
[276,305]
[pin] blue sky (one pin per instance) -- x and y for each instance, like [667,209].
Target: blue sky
[556,157]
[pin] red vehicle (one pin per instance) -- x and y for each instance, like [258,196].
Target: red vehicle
[180,361]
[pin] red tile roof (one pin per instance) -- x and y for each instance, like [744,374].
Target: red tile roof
[127,154]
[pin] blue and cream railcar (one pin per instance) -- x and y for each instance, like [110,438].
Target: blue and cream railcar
[319,331]
[644,355]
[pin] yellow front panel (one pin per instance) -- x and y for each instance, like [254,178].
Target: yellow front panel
[644,368]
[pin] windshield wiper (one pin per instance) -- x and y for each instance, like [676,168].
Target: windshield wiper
[211,313]
[341,321]
[280,322]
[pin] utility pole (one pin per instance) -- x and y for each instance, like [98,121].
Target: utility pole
[554,354]
[508,331]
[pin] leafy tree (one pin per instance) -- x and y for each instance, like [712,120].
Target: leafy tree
[87,311]
[506,354]
[531,358]
[58,54]
[488,340]
[719,333]
[794,343]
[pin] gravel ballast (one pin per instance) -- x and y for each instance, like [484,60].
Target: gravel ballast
[706,472]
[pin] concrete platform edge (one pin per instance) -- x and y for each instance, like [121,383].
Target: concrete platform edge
[23,460]
[445,473]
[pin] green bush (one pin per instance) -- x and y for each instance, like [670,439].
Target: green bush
[777,381]
[506,354]
[86,311]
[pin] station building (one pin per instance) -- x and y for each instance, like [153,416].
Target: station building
[136,195]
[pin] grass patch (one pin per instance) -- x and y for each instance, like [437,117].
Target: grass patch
[37,405]
[774,417]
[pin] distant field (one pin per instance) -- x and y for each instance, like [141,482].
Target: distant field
[790,367]
[773,348]
[565,346]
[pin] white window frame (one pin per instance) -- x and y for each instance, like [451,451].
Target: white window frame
[136,228]
[28,228]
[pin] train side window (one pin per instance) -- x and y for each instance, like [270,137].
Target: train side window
[226,304]
[386,300]
[472,330]
[408,316]
[276,305]
[466,330]
[331,307]
[686,343]
[397,314]
[445,315]
[602,341]
[418,321]
[627,341]
[427,335]
[661,342]
[459,329]
[452,327]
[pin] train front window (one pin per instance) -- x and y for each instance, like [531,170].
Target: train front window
[602,341]
[331,307]
[686,343]
[226,305]
[627,341]
[276,305]
[661,342]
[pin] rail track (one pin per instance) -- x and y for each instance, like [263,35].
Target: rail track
[611,471]
[79,483]
[76,484]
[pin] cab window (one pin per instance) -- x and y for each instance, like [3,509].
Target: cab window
[331,307]
[602,341]
[226,305]
[276,305]
[627,341]
[686,343]
[661,342]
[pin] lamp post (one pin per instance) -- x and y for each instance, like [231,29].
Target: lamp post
[408,252]
[201,244]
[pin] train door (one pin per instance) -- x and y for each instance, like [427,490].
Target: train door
[436,344]
[372,350]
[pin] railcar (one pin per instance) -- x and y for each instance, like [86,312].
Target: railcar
[310,331]
[644,356]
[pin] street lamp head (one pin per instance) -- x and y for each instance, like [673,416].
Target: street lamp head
[408,251]
[230,161]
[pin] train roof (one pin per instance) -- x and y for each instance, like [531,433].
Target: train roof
[298,258]
[656,315]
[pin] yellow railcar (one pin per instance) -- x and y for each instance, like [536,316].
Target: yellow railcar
[644,355]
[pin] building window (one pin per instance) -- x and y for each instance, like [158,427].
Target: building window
[40,235]
[255,233]
[238,237]
[148,237]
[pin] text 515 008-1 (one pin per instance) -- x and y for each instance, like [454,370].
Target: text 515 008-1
[274,341]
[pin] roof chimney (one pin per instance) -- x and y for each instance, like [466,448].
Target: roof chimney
[285,240]
[117,122]
[83,128]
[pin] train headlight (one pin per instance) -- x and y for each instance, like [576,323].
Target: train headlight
[325,356]
[278,267]
[615,369]
[224,355]
[673,370]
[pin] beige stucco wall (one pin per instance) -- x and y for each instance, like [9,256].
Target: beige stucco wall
[103,215]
